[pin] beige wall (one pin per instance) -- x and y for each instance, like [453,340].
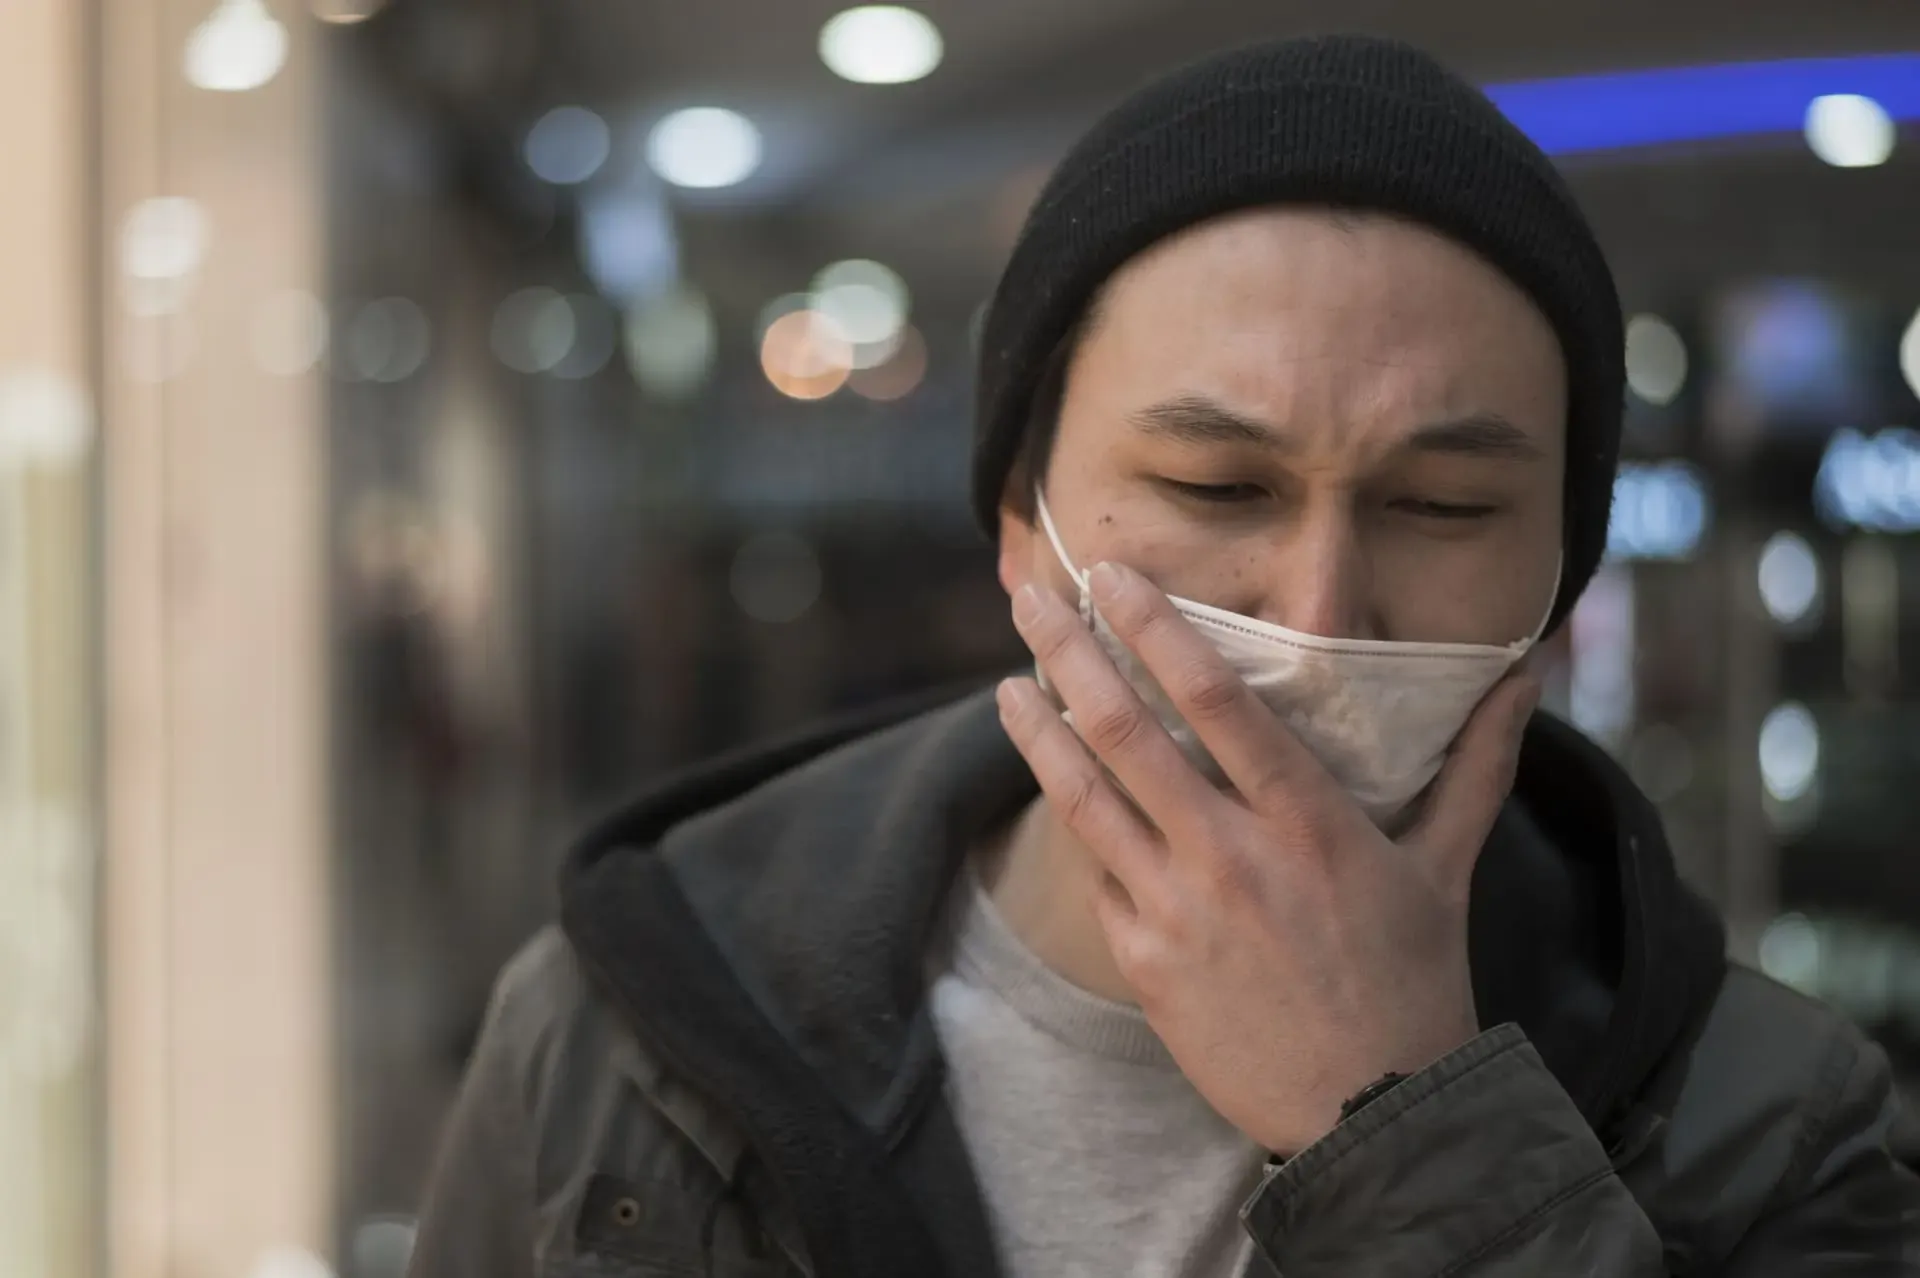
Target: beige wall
[217,1005]
[47,1022]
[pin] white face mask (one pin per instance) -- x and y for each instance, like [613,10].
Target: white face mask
[1379,715]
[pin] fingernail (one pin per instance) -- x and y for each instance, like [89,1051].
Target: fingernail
[1026,605]
[1104,581]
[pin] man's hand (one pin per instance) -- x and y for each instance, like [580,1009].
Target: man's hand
[1286,951]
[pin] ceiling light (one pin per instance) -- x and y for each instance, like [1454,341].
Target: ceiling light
[880,44]
[704,148]
[239,47]
[1849,130]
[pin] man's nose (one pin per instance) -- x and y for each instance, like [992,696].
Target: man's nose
[1317,580]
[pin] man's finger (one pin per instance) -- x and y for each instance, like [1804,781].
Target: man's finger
[1467,795]
[1108,714]
[1265,762]
[1080,793]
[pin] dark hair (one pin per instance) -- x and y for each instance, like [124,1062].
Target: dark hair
[1035,451]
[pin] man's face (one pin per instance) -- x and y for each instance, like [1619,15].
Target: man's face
[1350,426]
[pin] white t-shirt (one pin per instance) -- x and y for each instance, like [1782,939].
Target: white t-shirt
[1094,1153]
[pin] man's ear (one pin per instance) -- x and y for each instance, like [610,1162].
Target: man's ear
[1016,549]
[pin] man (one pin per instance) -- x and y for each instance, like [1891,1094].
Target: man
[1297,944]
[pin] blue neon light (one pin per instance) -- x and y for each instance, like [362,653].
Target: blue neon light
[1694,104]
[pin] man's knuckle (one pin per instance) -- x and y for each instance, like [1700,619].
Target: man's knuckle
[1115,727]
[1236,875]
[1053,641]
[1080,801]
[1209,688]
[1139,954]
[1274,790]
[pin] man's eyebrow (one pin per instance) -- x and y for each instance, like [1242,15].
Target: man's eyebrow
[1476,435]
[1197,420]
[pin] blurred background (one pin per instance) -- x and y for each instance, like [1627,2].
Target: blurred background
[424,422]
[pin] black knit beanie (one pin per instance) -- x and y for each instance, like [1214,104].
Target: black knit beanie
[1347,121]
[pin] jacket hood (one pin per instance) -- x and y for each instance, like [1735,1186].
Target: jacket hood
[762,923]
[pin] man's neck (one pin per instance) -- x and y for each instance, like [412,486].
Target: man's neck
[1044,881]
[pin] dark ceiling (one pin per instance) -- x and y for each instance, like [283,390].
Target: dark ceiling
[931,177]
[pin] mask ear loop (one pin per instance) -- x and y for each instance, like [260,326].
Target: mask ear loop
[1059,547]
[1060,551]
[1527,645]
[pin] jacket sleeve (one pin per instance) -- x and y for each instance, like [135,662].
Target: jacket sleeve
[1482,1167]
[477,1220]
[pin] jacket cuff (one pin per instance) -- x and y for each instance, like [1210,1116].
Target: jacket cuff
[1447,1165]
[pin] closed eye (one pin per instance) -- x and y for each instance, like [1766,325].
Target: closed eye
[1217,494]
[1444,510]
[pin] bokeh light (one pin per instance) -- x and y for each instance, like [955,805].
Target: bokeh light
[595,336]
[289,333]
[1789,751]
[290,1262]
[387,340]
[868,304]
[533,330]
[1849,131]
[45,418]
[1789,578]
[344,13]
[1910,354]
[671,343]
[881,44]
[568,145]
[1656,360]
[164,238]
[1660,511]
[805,355]
[1790,951]
[383,1247]
[704,148]
[240,46]
[899,376]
